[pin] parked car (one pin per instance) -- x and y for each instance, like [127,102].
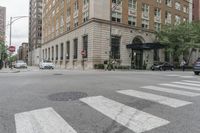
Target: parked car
[20,64]
[196,67]
[162,66]
[46,64]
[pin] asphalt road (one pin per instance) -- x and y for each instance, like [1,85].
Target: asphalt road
[58,101]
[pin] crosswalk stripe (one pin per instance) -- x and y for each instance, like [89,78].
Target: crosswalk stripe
[175,103]
[182,87]
[187,76]
[41,121]
[136,120]
[173,75]
[197,82]
[172,91]
[190,84]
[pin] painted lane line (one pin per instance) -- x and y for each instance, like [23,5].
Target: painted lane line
[41,121]
[172,91]
[175,103]
[136,120]
[182,87]
[197,82]
[189,84]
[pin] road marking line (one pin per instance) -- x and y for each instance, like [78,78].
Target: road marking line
[187,77]
[136,120]
[172,91]
[173,75]
[197,82]
[189,84]
[175,103]
[41,121]
[181,86]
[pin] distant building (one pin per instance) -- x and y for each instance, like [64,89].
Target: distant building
[76,33]
[2,23]
[23,52]
[35,31]
[196,10]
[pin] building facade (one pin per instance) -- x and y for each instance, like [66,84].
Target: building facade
[196,10]
[35,31]
[76,33]
[2,23]
[23,52]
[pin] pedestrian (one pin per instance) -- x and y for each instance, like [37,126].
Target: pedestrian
[105,65]
[182,65]
[113,64]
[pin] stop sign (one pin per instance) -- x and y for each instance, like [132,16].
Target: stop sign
[11,48]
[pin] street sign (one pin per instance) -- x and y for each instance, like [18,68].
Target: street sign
[11,48]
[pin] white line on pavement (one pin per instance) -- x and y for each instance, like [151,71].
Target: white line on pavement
[172,91]
[189,84]
[42,121]
[173,75]
[187,76]
[182,87]
[175,103]
[131,118]
[197,82]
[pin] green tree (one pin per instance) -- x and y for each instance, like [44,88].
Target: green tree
[180,39]
[3,51]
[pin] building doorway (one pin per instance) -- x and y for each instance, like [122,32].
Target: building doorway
[137,55]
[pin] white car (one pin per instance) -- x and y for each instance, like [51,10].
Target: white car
[20,64]
[45,64]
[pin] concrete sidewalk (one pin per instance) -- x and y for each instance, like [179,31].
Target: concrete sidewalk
[8,70]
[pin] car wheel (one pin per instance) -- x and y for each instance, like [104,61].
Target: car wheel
[160,68]
[172,69]
[196,73]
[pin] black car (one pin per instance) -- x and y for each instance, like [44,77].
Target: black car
[162,66]
[196,67]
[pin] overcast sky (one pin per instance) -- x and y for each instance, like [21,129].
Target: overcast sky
[19,27]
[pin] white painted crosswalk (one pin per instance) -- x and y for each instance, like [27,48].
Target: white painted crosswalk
[196,82]
[182,87]
[172,102]
[190,84]
[131,118]
[172,91]
[47,120]
[41,121]
[181,76]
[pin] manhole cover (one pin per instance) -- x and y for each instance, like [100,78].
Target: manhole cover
[67,96]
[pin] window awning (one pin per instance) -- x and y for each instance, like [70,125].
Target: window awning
[145,46]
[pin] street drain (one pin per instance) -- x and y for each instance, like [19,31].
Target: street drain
[67,96]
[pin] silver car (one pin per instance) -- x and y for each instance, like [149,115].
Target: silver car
[20,64]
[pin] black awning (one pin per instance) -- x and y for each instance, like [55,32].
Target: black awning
[145,46]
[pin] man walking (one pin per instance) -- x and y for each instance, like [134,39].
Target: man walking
[182,65]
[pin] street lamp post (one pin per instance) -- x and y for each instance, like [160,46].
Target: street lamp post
[12,20]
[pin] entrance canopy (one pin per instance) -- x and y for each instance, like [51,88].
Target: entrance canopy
[145,46]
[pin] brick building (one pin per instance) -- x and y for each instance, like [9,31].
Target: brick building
[196,10]
[35,31]
[23,52]
[76,33]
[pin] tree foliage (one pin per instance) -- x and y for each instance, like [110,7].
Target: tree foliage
[180,39]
